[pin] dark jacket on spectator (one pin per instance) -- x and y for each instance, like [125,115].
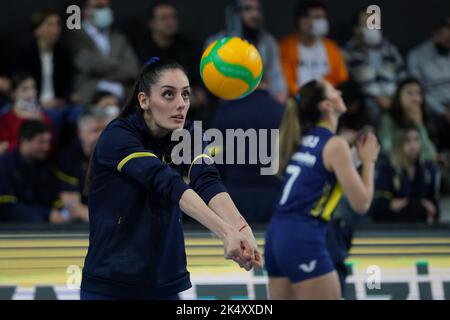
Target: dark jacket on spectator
[392,183]
[72,167]
[180,50]
[29,60]
[28,191]
[92,66]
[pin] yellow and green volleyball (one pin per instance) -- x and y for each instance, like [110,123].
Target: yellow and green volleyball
[231,68]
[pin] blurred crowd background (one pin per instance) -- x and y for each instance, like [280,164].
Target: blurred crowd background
[59,88]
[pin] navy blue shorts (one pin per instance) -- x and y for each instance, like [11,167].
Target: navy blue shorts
[296,248]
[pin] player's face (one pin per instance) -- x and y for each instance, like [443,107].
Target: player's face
[411,145]
[169,99]
[335,97]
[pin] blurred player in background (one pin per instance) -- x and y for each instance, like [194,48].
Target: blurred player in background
[318,169]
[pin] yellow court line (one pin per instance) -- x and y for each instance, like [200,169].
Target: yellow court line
[195,251]
[65,262]
[39,253]
[358,241]
[399,250]
[210,241]
[53,263]
[39,250]
[24,276]
[42,243]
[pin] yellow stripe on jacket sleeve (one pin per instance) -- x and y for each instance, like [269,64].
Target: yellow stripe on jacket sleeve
[67,179]
[203,155]
[133,156]
[383,194]
[332,202]
[57,204]
[6,198]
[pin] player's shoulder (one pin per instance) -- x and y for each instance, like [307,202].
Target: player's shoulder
[125,124]
[120,130]
[336,145]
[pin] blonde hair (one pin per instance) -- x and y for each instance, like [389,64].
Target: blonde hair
[299,116]
[396,157]
[289,133]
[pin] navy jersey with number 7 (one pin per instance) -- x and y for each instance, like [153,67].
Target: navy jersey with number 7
[309,188]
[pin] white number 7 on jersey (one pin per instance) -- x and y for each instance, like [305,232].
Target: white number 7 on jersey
[294,172]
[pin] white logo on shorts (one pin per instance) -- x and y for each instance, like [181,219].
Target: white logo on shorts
[308,268]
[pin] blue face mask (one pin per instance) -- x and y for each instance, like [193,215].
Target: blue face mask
[103,17]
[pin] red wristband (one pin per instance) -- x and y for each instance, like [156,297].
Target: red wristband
[243,227]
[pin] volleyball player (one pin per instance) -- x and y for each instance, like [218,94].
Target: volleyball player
[136,245]
[318,168]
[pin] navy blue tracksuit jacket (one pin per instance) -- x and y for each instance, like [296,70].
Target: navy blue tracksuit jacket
[136,245]
[71,169]
[28,190]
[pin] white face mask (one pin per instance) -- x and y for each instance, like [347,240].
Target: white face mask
[103,17]
[371,37]
[319,28]
[26,105]
[112,111]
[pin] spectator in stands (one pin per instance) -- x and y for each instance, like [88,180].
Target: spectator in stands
[407,188]
[307,54]
[28,188]
[5,91]
[245,19]
[5,73]
[375,64]
[408,107]
[106,100]
[161,38]
[103,58]
[255,195]
[5,100]
[24,107]
[430,63]
[48,61]
[69,127]
[73,161]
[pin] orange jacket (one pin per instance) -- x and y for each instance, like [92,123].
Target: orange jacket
[290,59]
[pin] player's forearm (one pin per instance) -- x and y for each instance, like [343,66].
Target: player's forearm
[224,207]
[193,205]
